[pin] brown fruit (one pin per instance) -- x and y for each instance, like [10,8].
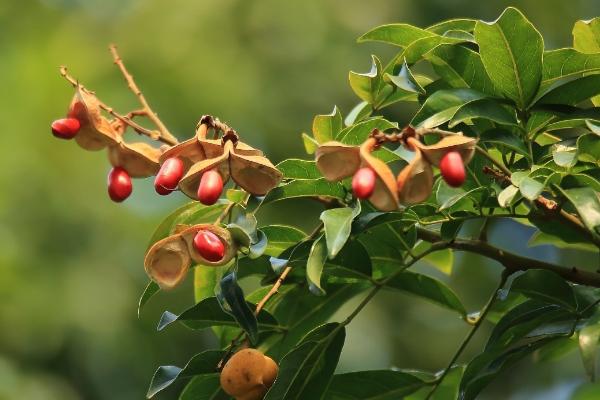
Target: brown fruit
[248,375]
[168,261]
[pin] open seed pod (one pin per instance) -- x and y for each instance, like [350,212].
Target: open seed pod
[168,261]
[415,181]
[223,234]
[96,131]
[254,173]
[139,159]
[337,161]
[385,195]
[434,153]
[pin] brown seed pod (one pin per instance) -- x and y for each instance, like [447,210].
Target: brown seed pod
[462,144]
[385,195]
[223,234]
[337,161]
[248,375]
[168,261]
[139,159]
[96,131]
[415,181]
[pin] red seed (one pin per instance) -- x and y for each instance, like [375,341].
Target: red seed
[363,183]
[209,246]
[453,169]
[119,184]
[65,128]
[210,188]
[169,176]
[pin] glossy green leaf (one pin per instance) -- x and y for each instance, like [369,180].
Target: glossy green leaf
[427,288]
[530,188]
[306,188]
[463,24]
[585,201]
[589,336]
[396,34]
[310,144]
[358,133]
[486,109]
[208,313]
[460,67]
[567,63]
[202,363]
[373,385]
[586,36]
[151,289]
[326,126]
[306,371]
[366,85]
[281,237]
[505,138]
[206,279]
[352,264]
[204,387]
[442,105]
[545,286]
[508,196]
[405,80]
[293,168]
[564,155]
[361,111]
[511,50]
[572,92]
[232,301]
[315,263]
[338,223]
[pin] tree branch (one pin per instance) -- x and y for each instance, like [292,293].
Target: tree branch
[512,262]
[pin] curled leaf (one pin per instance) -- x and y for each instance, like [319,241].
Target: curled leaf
[139,159]
[223,234]
[168,261]
[385,194]
[415,181]
[337,161]
[434,153]
[95,130]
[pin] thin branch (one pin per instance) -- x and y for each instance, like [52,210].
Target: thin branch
[512,262]
[471,333]
[136,90]
[155,135]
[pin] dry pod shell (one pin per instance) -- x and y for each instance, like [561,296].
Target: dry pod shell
[385,195]
[139,159]
[248,374]
[337,161]
[223,234]
[96,131]
[415,181]
[434,153]
[168,261]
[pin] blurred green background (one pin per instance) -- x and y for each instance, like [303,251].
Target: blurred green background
[71,260]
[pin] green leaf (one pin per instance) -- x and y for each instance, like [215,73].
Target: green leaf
[206,280]
[507,196]
[315,263]
[427,288]
[586,36]
[572,92]
[373,385]
[460,67]
[366,85]
[441,106]
[202,363]
[567,63]
[585,201]
[405,80]
[448,388]
[358,113]
[306,371]
[530,188]
[450,229]
[505,138]
[293,168]
[281,237]
[564,155]
[462,24]
[204,387]
[443,260]
[151,289]
[511,50]
[589,336]
[358,133]
[306,188]
[352,264]
[545,286]
[396,34]
[486,109]
[310,144]
[232,301]
[208,313]
[326,127]
[338,223]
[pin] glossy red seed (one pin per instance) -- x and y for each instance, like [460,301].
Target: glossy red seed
[209,246]
[210,188]
[363,183]
[119,184]
[65,128]
[169,176]
[453,169]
